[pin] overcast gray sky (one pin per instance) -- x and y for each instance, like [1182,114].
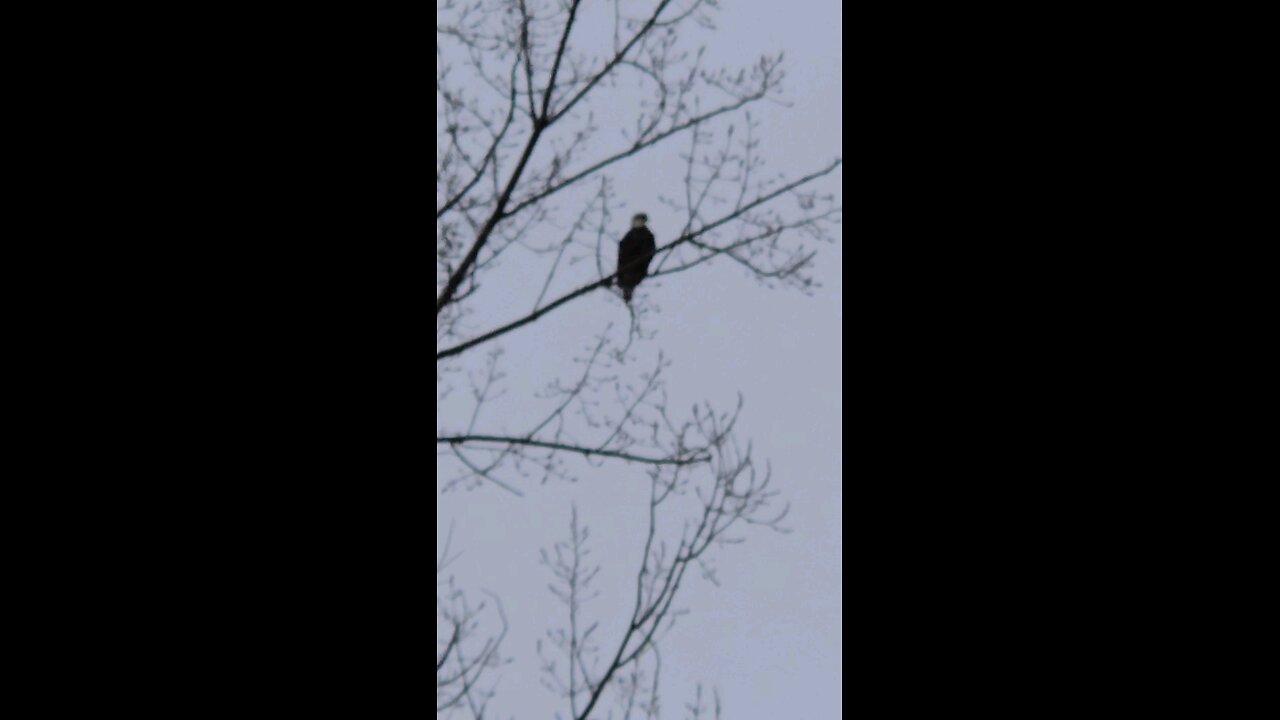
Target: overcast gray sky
[769,637]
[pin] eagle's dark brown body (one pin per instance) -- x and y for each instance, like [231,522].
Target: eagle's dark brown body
[635,252]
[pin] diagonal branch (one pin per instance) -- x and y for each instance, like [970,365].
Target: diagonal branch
[555,66]
[608,68]
[451,287]
[460,439]
[526,49]
[605,282]
[488,156]
[540,124]
[459,349]
[632,151]
[714,252]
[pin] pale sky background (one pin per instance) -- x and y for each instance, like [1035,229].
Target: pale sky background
[769,638]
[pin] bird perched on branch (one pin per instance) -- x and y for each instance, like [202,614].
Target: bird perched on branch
[635,252]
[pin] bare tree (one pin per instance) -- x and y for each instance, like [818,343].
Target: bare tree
[729,493]
[526,187]
[459,663]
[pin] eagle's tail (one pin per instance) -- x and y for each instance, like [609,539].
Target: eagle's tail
[626,294]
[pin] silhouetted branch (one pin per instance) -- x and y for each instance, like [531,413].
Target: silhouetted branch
[505,188]
[606,282]
[555,67]
[617,58]
[457,674]
[540,124]
[460,439]
[736,494]
[628,153]
[488,156]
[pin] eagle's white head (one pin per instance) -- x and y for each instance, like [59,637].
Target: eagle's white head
[639,220]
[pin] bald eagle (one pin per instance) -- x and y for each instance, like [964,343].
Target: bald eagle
[635,252]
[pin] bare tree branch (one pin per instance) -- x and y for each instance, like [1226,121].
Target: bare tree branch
[736,495]
[488,156]
[628,153]
[540,124]
[607,281]
[512,196]
[555,67]
[460,439]
[612,63]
